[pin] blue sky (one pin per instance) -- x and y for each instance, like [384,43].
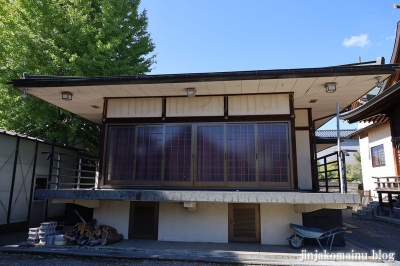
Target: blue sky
[216,35]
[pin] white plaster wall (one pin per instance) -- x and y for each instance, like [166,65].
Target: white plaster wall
[378,136]
[259,104]
[209,223]
[366,165]
[274,222]
[195,106]
[301,118]
[115,214]
[303,159]
[134,107]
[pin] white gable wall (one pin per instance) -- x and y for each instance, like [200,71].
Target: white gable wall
[378,136]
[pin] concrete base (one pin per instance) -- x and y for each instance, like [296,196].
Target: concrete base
[275,197]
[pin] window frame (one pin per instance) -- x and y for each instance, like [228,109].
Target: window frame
[193,162]
[380,151]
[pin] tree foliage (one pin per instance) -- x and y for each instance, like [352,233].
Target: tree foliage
[66,38]
[354,171]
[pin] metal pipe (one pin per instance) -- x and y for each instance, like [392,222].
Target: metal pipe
[340,164]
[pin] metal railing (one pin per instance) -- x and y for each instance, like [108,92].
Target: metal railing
[328,172]
[72,171]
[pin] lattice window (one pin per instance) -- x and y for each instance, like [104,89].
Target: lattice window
[378,156]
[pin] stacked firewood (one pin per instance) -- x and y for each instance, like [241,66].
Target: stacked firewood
[92,234]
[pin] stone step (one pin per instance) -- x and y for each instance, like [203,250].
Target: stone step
[363,215]
[368,214]
[369,208]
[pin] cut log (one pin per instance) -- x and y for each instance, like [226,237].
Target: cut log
[92,222]
[69,237]
[72,229]
[88,234]
[96,226]
[110,229]
[81,239]
[108,234]
[97,232]
[111,240]
[81,227]
[95,242]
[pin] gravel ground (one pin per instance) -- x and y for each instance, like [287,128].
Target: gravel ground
[373,235]
[50,260]
[54,260]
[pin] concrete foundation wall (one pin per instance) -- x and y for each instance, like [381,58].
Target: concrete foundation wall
[115,214]
[274,222]
[209,223]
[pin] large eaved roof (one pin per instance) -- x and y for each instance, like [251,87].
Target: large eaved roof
[307,85]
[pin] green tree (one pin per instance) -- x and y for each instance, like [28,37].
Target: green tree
[354,172]
[67,38]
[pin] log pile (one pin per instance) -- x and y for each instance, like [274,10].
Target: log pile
[92,234]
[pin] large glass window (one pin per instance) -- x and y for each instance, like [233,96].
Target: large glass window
[121,153]
[241,153]
[178,153]
[273,153]
[210,153]
[149,153]
[224,154]
[378,156]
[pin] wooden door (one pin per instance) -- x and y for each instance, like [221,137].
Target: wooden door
[143,220]
[244,222]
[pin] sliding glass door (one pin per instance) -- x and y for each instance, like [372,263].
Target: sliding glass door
[202,155]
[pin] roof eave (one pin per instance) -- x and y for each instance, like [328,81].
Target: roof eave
[375,106]
[51,81]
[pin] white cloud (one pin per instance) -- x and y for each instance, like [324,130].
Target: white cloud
[390,38]
[360,40]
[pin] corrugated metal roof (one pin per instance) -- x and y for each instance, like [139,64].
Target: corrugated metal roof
[14,134]
[333,133]
[23,136]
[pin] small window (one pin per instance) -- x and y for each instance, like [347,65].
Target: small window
[378,156]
